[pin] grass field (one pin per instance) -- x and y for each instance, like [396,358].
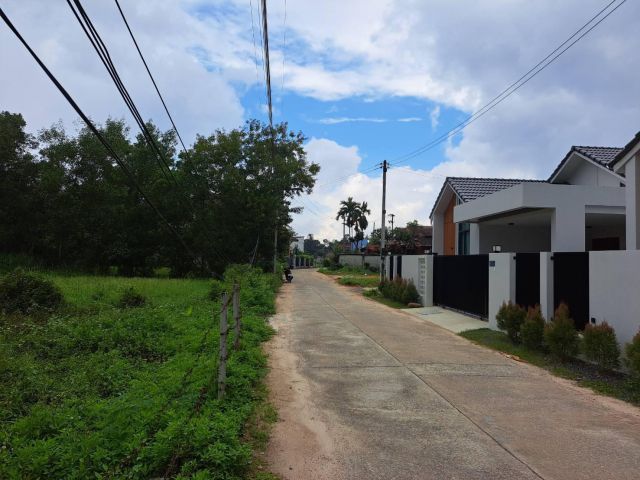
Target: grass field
[98,391]
[613,384]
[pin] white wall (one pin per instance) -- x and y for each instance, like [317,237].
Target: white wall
[632,173]
[358,260]
[589,174]
[422,278]
[514,238]
[502,283]
[614,287]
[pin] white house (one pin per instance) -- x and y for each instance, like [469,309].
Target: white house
[581,207]
[297,244]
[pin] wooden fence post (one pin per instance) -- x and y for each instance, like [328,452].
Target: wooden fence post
[236,316]
[222,353]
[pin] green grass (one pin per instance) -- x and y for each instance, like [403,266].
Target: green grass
[346,270]
[97,391]
[613,384]
[370,280]
[376,296]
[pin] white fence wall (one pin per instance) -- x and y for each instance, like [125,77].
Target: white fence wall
[418,269]
[614,291]
[502,283]
[359,260]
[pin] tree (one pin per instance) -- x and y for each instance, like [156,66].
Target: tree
[348,212]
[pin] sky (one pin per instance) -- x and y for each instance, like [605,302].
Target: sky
[364,80]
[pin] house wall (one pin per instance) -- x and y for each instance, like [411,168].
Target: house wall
[567,202]
[632,174]
[613,291]
[450,229]
[513,238]
[590,174]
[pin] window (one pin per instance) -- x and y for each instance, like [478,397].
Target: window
[463,238]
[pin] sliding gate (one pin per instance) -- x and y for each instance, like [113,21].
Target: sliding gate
[571,284]
[462,282]
[527,279]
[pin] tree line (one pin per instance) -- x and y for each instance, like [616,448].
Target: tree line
[65,202]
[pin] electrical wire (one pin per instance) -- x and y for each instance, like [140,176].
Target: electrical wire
[150,76]
[123,166]
[519,83]
[267,67]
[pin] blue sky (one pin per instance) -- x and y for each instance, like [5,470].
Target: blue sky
[352,71]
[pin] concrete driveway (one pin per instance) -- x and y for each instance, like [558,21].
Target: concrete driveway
[367,392]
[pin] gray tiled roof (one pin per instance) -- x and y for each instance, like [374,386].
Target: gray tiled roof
[471,188]
[605,156]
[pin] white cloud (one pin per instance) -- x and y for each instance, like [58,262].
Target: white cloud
[336,120]
[434,116]
[410,119]
[175,43]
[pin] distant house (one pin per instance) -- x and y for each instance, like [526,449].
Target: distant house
[580,207]
[297,245]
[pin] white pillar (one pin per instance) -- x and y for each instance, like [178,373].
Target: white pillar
[568,228]
[474,239]
[427,294]
[632,192]
[502,283]
[546,284]
[438,233]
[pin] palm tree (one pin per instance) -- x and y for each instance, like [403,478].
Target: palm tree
[348,212]
[361,222]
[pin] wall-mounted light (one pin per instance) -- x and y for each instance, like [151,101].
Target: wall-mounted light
[496,248]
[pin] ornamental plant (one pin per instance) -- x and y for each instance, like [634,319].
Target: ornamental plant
[532,329]
[632,352]
[599,344]
[510,318]
[560,334]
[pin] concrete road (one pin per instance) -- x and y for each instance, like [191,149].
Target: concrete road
[368,392]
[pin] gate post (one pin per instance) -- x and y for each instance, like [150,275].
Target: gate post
[426,277]
[546,284]
[502,283]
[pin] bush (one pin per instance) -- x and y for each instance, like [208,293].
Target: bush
[632,351]
[599,345]
[215,292]
[560,334]
[532,330]
[131,298]
[400,290]
[510,318]
[26,293]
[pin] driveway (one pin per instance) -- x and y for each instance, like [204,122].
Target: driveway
[367,392]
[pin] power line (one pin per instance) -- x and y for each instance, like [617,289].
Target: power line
[100,137]
[267,67]
[104,55]
[253,37]
[151,76]
[519,83]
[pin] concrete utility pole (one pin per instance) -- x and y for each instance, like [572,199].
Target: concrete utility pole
[384,212]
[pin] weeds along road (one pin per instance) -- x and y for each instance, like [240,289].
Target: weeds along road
[367,392]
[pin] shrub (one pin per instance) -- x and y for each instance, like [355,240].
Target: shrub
[400,290]
[532,329]
[599,344]
[131,298]
[560,334]
[26,293]
[510,318]
[215,292]
[632,351]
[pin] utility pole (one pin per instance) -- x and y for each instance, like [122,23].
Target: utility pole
[384,212]
[392,215]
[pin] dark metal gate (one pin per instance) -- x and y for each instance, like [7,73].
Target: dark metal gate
[391,267]
[528,279]
[399,266]
[462,282]
[571,284]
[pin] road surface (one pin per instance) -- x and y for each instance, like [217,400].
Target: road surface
[367,392]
